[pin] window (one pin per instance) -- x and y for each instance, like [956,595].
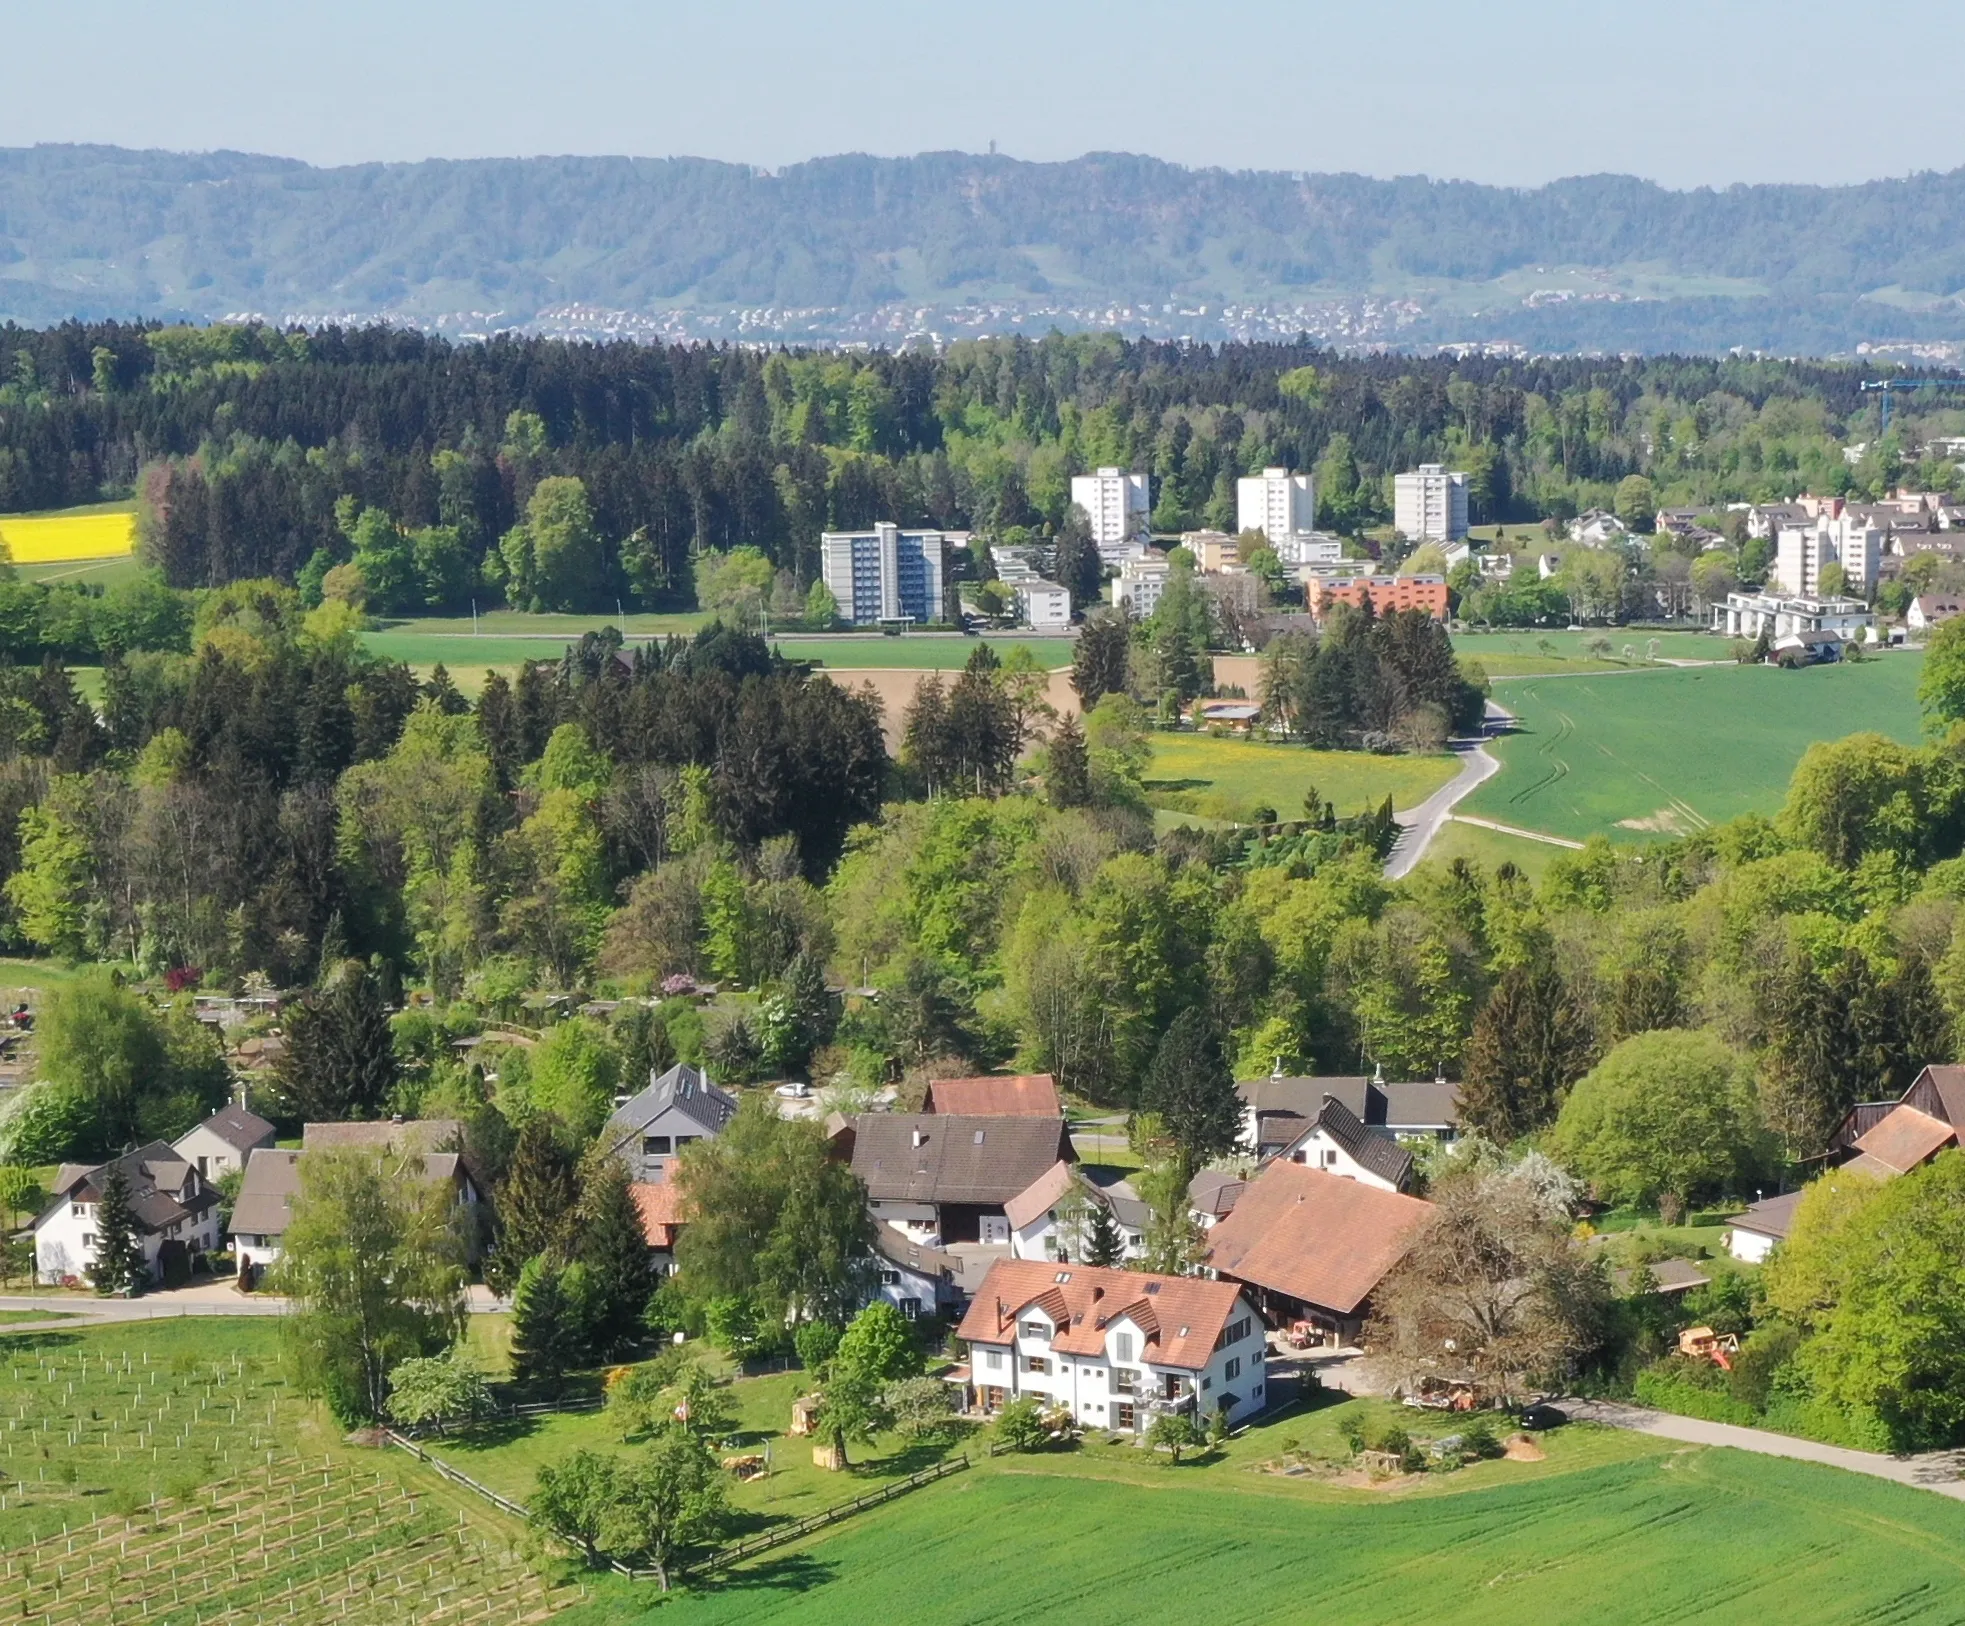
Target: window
[1206,1384]
[1233,1369]
[911,1309]
[1122,1346]
[890,1278]
[1235,1332]
[1123,1416]
[88,1239]
[1035,1329]
[1125,1380]
[686,1140]
[993,1359]
[1038,1364]
[654,1145]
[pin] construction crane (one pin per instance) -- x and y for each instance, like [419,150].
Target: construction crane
[1885,385]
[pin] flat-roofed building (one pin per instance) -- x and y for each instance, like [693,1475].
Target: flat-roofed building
[885,574]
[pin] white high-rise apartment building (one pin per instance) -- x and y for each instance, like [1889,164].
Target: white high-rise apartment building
[1118,504]
[885,574]
[1277,503]
[1833,536]
[1430,504]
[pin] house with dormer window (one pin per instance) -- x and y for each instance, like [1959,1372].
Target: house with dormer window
[1114,1348]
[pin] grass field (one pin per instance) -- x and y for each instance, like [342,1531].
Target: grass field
[1667,752]
[105,531]
[1667,1537]
[1490,849]
[1529,654]
[1224,778]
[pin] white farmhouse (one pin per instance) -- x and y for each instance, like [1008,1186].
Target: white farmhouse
[174,1207]
[1052,1218]
[221,1144]
[1759,1228]
[1115,1348]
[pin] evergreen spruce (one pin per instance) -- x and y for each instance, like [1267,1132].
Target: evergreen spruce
[1068,781]
[535,1204]
[613,1244]
[548,1339]
[1530,1042]
[1104,1245]
[119,1265]
[1189,1085]
[340,1060]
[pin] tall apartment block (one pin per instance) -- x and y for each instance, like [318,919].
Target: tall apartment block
[1430,504]
[885,574]
[1118,504]
[1277,503]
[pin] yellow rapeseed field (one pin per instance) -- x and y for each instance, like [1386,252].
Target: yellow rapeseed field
[62,537]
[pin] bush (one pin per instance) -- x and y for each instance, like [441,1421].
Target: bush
[1020,1427]
[1761,1357]
[1478,1439]
[1387,1437]
[921,1406]
[816,1342]
[1353,1430]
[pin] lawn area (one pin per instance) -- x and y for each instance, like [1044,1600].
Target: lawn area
[40,977]
[100,531]
[1224,778]
[508,1457]
[1657,1537]
[1490,849]
[1533,653]
[1670,751]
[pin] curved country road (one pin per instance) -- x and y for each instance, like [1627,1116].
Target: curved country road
[1420,824]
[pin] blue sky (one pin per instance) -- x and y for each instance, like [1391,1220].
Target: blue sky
[1685,92]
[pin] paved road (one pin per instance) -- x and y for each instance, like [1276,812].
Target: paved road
[1934,1471]
[1420,824]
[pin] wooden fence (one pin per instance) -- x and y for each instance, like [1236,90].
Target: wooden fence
[723,1557]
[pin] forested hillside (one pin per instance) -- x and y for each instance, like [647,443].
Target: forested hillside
[100,231]
[568,476]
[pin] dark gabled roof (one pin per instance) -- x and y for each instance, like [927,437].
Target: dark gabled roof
[1947,1079]
[1377,1154]
[1771,1216]
[265,1203]
[948,1158]
[239,1128]
[1400,1104]
[414,1135]
[682,1087]
[155,1175]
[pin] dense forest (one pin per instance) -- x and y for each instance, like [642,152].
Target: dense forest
[107,232]
[573,476]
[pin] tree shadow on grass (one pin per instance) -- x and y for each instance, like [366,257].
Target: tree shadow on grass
[13,1343]
[795,1572]
[487,1435]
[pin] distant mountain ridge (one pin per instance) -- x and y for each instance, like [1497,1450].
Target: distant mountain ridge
[966,243]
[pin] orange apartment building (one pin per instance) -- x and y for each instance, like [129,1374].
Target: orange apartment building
[1388,593]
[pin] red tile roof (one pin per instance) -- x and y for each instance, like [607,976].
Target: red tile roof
[1314,1236]
[661,1211]
[1179,1316]
[1040,1196]
[1905,1138]
[1027,1095]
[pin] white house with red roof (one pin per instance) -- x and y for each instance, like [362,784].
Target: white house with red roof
[1115,1348]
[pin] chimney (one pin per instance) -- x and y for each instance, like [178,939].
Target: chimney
[1097,1294]
[1378,1072]
[395,1117]
[919,1137]
[1276,1070]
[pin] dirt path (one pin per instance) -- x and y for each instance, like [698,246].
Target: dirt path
[1934,1471]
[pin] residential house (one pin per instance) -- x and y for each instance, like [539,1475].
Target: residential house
[1277,1110]
[1308,549]
[1335,1140]
[1930,610]
[997,1095]
[1761,1227]
[1748,615]
[1043,606]
[1140,582]
[660,1206]
[948,1177]
[417,1148]
[1312,1246]
[1051,1218]
[174,1207]
[1387,593]
[1677,521]
[1114,1348]
[918,1280]
[221,1144]
[1211,1197]
[1596,527]
[678,1108]
[1765,520]
[1214,551]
